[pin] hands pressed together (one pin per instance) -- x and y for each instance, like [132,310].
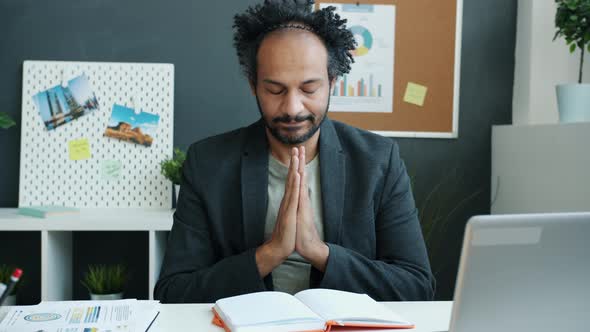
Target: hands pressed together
[295,229]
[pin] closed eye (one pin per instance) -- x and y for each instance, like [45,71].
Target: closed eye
[309,91]
[276,92]
[311,86]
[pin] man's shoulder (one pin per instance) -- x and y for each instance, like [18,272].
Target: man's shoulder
[225,144]
[358,140]
[219,143]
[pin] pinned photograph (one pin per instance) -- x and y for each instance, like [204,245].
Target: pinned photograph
[60,105]
[132,127]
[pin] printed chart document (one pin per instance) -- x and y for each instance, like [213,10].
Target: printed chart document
[308,310]
[369,85]
[127,315]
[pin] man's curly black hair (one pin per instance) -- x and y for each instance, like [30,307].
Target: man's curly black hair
[257,21]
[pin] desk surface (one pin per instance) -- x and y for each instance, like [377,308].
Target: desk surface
[428,316]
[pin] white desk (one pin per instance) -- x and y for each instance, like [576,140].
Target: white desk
[428,317]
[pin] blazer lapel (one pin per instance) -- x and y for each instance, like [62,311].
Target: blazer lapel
[332,181]
[254,180]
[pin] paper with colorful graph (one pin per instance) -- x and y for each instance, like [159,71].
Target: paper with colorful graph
[369,85]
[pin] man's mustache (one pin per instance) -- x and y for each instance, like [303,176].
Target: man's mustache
[288,119]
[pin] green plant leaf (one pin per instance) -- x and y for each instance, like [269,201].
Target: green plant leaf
[572,20]
[172,168]
[106,279]
[6,121]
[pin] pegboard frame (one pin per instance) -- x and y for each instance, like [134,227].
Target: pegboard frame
[49,177]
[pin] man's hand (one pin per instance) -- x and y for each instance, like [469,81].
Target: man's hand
[308,242]
[282,242]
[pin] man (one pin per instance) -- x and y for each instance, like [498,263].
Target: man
[295,200]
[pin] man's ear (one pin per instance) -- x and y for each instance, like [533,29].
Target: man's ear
[332,82]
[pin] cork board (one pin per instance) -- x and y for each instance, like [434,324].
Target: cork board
[427,52]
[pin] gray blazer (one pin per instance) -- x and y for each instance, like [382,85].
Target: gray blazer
[370,219]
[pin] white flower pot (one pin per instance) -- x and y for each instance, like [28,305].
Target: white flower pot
[101,297]
[573,101]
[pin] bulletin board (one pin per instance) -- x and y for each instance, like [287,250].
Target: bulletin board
[427,53]
[48,175]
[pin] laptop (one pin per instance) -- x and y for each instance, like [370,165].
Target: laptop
[528,272]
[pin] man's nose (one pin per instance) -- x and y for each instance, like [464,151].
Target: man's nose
[293,104]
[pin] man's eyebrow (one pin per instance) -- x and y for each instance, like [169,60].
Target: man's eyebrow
[313,80]
[273,82]
[310,81]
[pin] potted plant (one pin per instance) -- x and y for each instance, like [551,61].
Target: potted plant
[5,273]
[6,121]
[172,169]
[106,282]
[572,21]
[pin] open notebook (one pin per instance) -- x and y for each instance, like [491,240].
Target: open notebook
[308,310]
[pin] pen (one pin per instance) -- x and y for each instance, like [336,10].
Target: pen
[13,280]
[153,320]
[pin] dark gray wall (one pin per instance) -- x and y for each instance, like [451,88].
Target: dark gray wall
[212,97]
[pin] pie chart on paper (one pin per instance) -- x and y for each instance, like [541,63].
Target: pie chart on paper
[363,38]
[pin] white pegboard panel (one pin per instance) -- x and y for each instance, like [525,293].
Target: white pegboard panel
[49,177]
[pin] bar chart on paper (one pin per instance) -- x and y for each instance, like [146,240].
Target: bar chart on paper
[360,93]
[358,88]
[368,86]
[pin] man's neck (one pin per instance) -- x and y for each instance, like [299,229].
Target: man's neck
[282,152]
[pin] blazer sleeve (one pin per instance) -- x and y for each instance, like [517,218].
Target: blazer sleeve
[401,271]
[191,270]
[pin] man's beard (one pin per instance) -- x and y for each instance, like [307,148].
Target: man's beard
[290,140]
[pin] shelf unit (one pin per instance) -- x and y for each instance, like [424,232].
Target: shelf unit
[56,240]
[540,168]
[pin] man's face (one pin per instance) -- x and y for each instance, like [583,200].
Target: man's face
[292,89]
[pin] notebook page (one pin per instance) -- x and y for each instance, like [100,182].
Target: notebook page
[264,307]
[345,306]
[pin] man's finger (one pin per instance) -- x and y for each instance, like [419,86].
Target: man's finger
[303,193]
[289,181]
[294,199]
[302,162]
[303,186]
[293,178]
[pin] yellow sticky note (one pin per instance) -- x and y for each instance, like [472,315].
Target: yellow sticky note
[415,94]
[79,149]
